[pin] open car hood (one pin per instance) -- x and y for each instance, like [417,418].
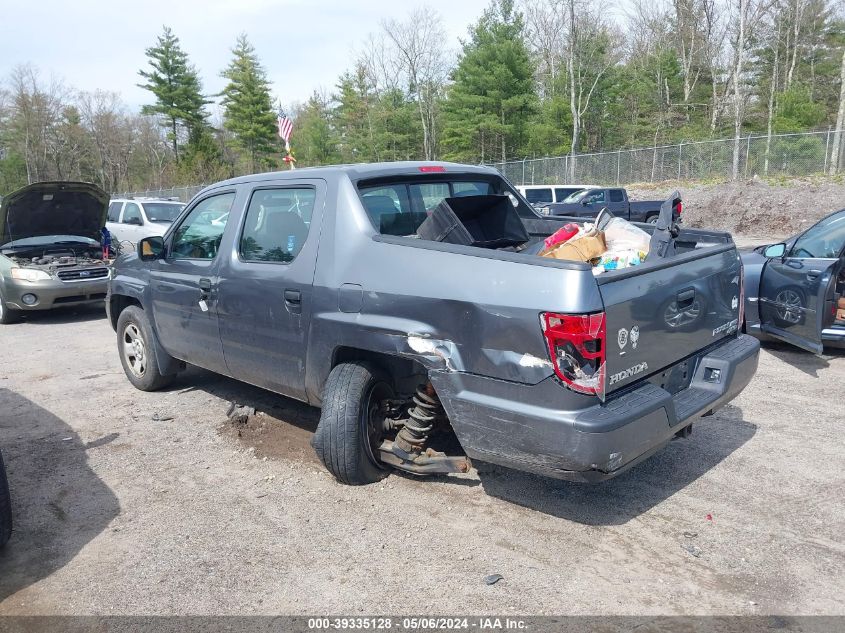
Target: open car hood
[53,208]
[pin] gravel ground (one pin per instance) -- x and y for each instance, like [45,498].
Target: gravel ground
[135,503]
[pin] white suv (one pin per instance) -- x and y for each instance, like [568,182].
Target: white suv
[131,220]
[541,195]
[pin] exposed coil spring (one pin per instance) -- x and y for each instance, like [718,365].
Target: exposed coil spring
[423,416]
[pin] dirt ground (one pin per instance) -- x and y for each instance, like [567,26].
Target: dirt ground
[753,208]
[136,503]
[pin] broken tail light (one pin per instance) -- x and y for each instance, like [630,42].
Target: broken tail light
[577,345]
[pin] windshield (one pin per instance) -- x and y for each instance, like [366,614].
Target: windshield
[163,211]
[48,240]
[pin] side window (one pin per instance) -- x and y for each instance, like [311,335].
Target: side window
[538,195]
[560,194]
[597,197]
[277,224]
[114,212]
[199,235]
[616,195]
[824,240]
[132,214]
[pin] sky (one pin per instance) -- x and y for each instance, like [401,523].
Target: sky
[303,45]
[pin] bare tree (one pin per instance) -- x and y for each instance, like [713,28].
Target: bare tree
[840,120]
[421,56]
[774,46]
[592,48]
[546,42]
[37,110]
[112,136]
[715,28]
[690,42]
[748,14]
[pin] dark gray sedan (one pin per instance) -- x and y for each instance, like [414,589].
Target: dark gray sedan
[792,287]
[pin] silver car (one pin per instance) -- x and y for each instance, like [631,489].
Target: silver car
[51,247]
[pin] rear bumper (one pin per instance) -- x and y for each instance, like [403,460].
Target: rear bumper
[52,293]
[499,422]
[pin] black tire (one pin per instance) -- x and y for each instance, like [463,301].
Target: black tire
[5,506]
[7,315]
[141,368]
[349,431]
[652,219]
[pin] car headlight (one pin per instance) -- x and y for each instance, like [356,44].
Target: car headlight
[29,274]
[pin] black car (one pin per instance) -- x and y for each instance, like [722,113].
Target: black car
[792,287]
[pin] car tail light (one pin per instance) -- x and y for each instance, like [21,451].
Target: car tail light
[577,350]
[680,206]
[428,169]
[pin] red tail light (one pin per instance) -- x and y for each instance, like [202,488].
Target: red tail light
[429,169]
[680,207]
[577,350]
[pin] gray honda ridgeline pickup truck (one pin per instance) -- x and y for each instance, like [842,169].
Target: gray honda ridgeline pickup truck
[422,354]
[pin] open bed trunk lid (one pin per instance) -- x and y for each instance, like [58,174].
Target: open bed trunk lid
[657,315]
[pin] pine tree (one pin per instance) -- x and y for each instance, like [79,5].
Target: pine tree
[316,138]
[492,96]
[176,86]
[246,98]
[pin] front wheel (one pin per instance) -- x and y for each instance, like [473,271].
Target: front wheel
[351,426]
[137,353]
[7,315]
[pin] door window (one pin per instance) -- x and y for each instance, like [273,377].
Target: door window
[277,224]
[597,197]
[824,240]
[114,211]
[616,195]
[199,235]
[132,214]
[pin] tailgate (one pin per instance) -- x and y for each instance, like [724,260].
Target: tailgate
[658,315]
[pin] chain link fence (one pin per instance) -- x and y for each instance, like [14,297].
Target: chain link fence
[183,194]
[788,155]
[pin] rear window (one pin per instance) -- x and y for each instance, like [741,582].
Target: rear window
[538,195]
[163,211]
[616,195]
[398,208]
[562,193]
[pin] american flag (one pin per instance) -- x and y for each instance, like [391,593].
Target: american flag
[285,127]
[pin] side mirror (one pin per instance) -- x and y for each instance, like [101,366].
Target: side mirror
[151,248]
[775,250]
[586,202]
